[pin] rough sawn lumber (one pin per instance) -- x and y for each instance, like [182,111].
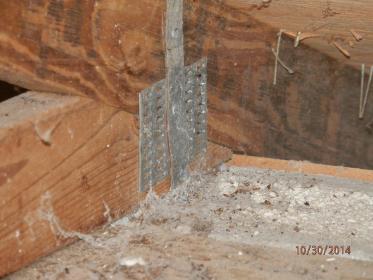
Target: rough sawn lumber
[108,50]
[67,166]
[311,115]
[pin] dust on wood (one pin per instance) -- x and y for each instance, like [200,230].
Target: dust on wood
[229,225]
[51,195]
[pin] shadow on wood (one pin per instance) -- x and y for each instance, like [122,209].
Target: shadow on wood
[311,115]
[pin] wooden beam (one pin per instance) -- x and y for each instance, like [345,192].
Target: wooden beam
[302,167]
[311,115]
[332,20]
[67,166]
[108,50]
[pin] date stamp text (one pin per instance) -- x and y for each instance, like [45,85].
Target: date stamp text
[323,250]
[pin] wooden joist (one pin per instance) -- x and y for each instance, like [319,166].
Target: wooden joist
[332,20]
[67,166]
[108,50]
[311,115]
[303,167]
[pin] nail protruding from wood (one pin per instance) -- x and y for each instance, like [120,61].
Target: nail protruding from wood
[342,50]
[282,63]
[279,36]
[300,36]
[364,94]
[358,37]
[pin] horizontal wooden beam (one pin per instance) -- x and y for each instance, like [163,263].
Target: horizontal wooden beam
[67,166]
[334,20]
[302,167]
[310,115]
[108,50]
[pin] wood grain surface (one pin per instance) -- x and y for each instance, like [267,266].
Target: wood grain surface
[311,115]
[302,167]
[333,20]
[108,50]
[67,166]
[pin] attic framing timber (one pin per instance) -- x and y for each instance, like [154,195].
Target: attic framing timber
[68,166]
[310,115]
[107,50]
[302,167]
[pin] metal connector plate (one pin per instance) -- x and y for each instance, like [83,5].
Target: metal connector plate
[155,158]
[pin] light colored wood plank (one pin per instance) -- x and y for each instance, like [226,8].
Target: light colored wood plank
[77,177]
[67,166]
[108,50]
[302,167]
